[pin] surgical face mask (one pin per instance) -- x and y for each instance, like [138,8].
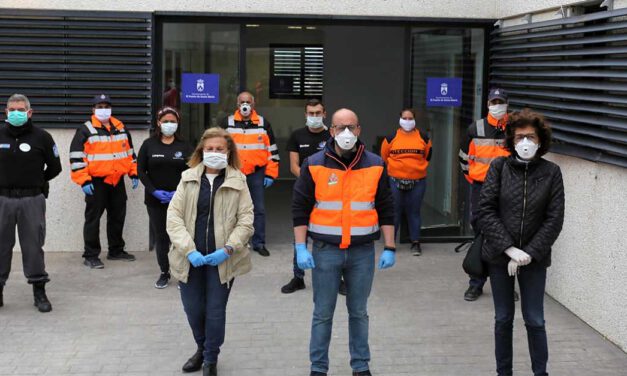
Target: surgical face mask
[17,118]
[168,129]
[498,110]
[346,140]
[315,122]
[407,125]
[214,160]
[103,114]
[526,149]
[245,109]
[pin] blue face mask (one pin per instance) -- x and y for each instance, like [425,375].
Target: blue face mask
[17,118]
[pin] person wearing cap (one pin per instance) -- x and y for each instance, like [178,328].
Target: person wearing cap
[160,161]
[259,156]
[484,143]
[101,153]
[29,159]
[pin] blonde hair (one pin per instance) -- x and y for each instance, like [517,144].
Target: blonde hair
[215,132]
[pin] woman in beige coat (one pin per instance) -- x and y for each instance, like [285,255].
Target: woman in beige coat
[210,220]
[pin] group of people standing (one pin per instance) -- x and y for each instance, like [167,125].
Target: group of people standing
[206,203]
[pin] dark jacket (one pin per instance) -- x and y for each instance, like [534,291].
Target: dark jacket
[205,235]
[521,205]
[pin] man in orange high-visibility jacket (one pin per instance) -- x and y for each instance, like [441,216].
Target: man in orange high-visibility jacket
[485,142]
[101,154]
[342,201]
[259,156]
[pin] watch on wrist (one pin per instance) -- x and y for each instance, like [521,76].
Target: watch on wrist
[229,249]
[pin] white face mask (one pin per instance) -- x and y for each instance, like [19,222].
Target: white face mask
[346,140]
[168,129]
[315,122]
[526,149]
[217,161]
[103,114]
[245,109]
[407,125]
[498,110]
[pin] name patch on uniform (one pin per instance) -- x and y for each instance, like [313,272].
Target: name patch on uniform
[333,179]
[25,147]
[5,146]
[158,156]
[303,145]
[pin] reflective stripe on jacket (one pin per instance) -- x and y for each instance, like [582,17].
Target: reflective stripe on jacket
[407,154]
[102,151]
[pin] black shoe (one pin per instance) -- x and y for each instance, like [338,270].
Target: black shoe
[362,373]
[294,285]
[163,280]
[342,290]
[415,248]
[1,298]
[194,363]
[41,300]
[263,251]
[472,294]
[94,263]
[210,369]
[315,373]
[122,255]
[516,297]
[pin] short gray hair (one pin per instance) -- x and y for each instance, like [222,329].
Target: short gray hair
[19,98]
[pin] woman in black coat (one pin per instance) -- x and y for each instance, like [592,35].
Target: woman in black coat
[521,212]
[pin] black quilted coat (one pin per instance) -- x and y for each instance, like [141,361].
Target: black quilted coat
[521,205]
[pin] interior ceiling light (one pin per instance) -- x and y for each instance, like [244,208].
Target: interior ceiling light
[252,25]
[311,28]
[295,27]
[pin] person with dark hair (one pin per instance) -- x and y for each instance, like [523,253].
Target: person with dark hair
[521,212]
[161,160]
[210,220]
[484,143]
[406,154]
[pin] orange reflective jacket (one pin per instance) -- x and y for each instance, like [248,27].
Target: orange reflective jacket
[102,151]
[407,154]
[255,143]
[485,143]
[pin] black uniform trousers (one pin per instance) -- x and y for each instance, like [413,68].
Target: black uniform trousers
[113,200]
[29,215]
[158,217]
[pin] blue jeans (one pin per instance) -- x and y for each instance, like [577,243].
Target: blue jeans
[257,191]
[356,264]
[475,191]
[204,300]
[408,202]
[531,279]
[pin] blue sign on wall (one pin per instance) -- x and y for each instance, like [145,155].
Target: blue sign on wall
[444,92]
[200,88]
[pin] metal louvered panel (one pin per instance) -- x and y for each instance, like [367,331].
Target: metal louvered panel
[296,71]
[61,59]
[573,71]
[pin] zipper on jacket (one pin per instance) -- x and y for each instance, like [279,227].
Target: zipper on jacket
[522,220]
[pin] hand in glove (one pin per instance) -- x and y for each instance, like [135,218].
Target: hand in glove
[216,258]
[512,268]
[134,182]
[518,255]
[88,189]
[387,259]
[267,182]
[162,196]
[196,259]
[304,259]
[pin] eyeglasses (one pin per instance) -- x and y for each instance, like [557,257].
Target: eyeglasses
[341,128]
[530,136]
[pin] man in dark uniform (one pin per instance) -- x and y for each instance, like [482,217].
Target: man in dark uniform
[29,159]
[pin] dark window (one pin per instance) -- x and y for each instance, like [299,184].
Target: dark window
[296,71]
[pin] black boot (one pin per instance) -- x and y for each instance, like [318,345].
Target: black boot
[194,363]
[210,369]
[41,300]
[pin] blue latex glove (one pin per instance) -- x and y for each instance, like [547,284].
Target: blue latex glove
[387,259]
[267,182]
[216,258]
[171,194]
[196,259]
[134,182]
[304,259]
[88,189]
[163,196]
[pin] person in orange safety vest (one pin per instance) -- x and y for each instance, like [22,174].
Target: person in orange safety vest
[101,153]
[259,156]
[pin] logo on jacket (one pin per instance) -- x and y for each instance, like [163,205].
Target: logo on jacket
[321,145]
[200,84]
[333,179]
[25,147]
[178,155]
[444,88]
[259,138]
[55,151]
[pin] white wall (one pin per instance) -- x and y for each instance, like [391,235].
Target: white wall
[588,274]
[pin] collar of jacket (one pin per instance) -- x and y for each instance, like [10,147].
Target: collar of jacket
[116,123]
[498,123]
[232,178]
[513,161]
[254,116]
[19,131]
[330,151]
